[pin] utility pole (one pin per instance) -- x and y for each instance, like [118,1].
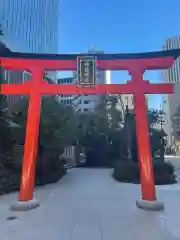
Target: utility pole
[162,149]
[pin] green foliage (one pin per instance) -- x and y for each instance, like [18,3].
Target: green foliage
[57,125]
[157,142]
[156,136]
[164,173]
[19,117]
[103,120]
[4,123]
[5,136]
[10,180]
[49,167]
[155,117]
[56,131]
[128,171]
[118,145]
[100,130]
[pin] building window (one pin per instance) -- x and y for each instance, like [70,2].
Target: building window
[86,101]
[26,76]
[6,76]
[77,96]
[86,109]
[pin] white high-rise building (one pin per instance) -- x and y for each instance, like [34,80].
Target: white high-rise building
[108,77]
[67,99]
[172,102]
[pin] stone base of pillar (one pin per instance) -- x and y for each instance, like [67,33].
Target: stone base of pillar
[25,205]
[150,205]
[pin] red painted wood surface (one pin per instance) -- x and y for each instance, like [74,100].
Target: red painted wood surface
[36,87]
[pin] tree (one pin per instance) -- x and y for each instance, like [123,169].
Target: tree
[100,134]
[115,116]
[5,139]
[156,117]
[57,130]
[4,123]
[156,136]
[157,143]
[57,125]
[92,134]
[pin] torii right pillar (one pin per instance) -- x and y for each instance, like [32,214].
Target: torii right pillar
[141,87]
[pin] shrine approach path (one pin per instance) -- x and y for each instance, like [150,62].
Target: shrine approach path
[88,204]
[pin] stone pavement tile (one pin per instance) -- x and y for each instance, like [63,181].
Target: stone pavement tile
[171,216]
[87,232]
[47,222]
[86,223]
[134,226]
[88,205]
[37,229]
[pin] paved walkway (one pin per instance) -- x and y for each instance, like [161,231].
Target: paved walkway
[87,204]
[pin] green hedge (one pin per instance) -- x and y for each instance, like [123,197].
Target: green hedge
[49,169]
[128,171]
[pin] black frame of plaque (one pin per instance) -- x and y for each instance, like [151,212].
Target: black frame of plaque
[83,80]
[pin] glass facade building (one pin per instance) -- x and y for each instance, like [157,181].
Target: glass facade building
[30,25]
[172,75]
[172,102]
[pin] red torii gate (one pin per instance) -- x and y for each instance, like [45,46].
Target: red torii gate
[136,64]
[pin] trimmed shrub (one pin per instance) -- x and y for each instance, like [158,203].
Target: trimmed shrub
[49,167]
[128,171]
[49,170]
[164,173]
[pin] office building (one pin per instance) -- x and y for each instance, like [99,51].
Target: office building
[172,74]
[29,26]
[66,98]
[123,100]
[172,102]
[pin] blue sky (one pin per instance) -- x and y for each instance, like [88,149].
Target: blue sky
[119,26]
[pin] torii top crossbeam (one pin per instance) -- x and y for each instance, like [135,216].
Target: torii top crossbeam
[136,64]
[131,62]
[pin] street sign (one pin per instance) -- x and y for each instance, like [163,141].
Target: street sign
[86,70]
